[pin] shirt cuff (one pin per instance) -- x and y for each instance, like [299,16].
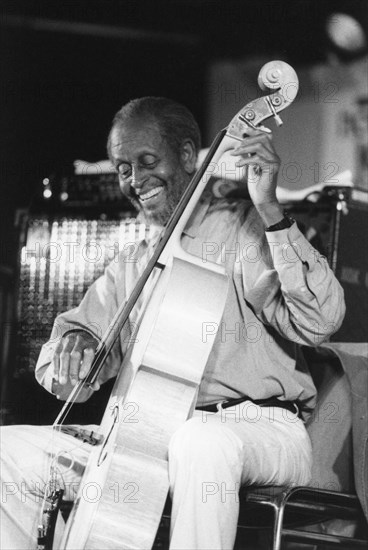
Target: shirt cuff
[48,378]
[288,246]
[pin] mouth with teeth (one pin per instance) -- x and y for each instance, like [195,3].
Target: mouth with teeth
[152,193]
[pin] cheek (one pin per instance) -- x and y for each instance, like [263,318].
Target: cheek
[167,170]
[125,187]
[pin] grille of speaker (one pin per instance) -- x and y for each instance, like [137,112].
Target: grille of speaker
[58,262]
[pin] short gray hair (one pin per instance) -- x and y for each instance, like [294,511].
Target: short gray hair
[176,122]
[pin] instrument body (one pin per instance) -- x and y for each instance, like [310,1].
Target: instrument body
[153,395]
[125,484]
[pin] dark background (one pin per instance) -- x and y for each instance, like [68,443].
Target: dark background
[67,67]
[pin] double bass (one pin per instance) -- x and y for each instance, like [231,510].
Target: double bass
[125,483]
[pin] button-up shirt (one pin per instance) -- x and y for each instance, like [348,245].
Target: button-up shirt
[281,293]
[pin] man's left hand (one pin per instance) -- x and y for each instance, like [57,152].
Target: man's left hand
[258,153]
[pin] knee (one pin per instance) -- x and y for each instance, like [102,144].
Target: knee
[15,433]
[10,434]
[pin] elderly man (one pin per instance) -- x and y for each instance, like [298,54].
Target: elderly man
[284,296]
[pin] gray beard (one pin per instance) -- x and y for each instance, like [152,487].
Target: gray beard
[173,198]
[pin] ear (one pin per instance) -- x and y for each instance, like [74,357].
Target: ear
[188,156]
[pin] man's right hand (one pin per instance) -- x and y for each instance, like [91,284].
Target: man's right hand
[73,358]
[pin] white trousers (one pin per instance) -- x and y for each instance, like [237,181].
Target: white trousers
[210,457]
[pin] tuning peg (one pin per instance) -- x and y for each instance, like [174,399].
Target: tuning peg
[278,120]
[273,102]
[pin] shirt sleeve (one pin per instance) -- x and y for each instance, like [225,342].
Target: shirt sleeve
[93,315]
[294,290]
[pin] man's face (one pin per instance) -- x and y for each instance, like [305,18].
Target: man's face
[151,174]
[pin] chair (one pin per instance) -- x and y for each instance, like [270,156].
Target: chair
[287,513]
[339,423]
[294,514]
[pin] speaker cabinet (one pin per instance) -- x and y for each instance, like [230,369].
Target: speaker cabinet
[339,230]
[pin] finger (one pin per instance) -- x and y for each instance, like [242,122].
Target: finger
[56,360]
[65,360]
[257,159]
[259,137]
[252,145]
[249,152]
[96,386]
[247,161]
[75,363]
[260,156]
[249,147]
[257,131]
[88,355]
[264,129]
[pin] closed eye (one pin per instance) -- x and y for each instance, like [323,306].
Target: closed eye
[148,161]
[124,170]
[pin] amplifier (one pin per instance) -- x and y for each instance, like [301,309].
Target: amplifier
[338,229]
[86,190]
[59,259]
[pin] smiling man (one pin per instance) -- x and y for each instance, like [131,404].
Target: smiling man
[154,155]
[282,296]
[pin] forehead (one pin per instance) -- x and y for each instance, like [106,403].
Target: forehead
[135,137]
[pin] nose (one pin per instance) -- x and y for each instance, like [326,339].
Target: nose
[138,177]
